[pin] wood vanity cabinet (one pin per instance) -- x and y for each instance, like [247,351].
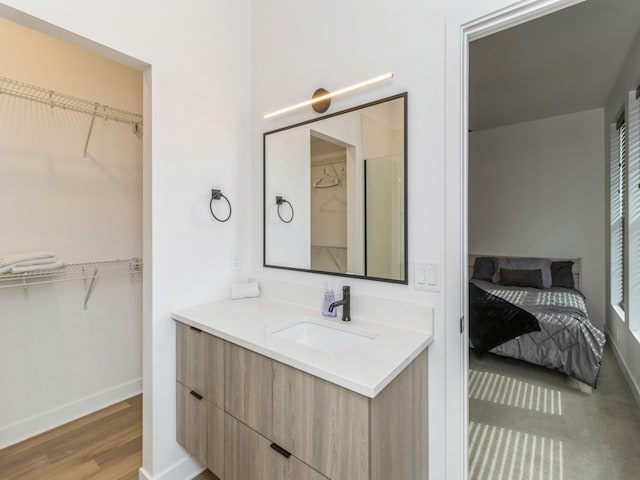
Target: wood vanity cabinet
[200,396]
[268,421]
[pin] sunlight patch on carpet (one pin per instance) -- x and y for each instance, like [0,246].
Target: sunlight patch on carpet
[497,453]
[509,391]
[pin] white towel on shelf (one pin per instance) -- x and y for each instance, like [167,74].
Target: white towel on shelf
[245,290]
[26,263]
[12,258]
[37,268]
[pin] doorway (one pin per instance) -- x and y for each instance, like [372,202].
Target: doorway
[462,27]
[493,23]
[75,184]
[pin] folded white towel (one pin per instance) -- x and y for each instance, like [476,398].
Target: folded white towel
[26,263]
[11,258]
[37,268]
[245,290]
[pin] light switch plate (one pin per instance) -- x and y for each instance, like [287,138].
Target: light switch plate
[426,276]
[235,261]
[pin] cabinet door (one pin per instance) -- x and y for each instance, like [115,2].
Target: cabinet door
[191,422]
[249,456]
[324,425]
[400,427]
[215,440]
[200,362]
[248,380]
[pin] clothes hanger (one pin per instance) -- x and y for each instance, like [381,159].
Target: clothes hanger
[333,181]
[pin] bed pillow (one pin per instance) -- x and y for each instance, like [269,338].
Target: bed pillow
[522,263]
[521,278]
[484,268]
[562,274]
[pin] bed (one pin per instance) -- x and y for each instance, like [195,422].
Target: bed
[531,309]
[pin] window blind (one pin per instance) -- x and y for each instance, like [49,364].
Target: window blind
[621,130]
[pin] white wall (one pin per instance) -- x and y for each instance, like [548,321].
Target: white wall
[626,344]
[197,126]
[289,153]
[343,43]
[535,189]
[198,112]
[58,361]
[288,244]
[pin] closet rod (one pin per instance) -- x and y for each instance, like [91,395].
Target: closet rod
[52,98]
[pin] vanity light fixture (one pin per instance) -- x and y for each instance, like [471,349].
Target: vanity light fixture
[324,99]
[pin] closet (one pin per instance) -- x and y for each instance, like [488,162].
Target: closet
[71,183]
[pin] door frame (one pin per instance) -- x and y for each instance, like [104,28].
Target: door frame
[462,27]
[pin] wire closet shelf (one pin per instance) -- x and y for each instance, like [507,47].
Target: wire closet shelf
[88,272]
[53,99]
[74,271]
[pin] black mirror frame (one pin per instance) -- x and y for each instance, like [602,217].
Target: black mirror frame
[404,281]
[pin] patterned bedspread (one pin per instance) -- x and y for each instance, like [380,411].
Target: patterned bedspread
[567,340]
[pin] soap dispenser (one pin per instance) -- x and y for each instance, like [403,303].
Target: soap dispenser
[329,298]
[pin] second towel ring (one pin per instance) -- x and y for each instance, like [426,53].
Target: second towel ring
[217,195]
[279,202]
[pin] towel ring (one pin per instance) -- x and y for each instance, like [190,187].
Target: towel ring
[279,202]
[217,195]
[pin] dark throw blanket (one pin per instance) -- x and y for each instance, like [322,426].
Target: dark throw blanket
[493,321]
[563,339]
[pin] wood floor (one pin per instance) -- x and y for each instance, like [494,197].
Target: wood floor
[104,445]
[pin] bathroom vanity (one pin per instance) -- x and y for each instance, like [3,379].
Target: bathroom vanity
[268,390]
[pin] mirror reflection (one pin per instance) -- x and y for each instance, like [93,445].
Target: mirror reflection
[344,176]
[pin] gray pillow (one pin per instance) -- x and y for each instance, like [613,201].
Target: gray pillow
[521,278]
[522,263]
[562,274]
[483,268]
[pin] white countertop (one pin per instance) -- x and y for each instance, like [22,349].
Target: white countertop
[366,370]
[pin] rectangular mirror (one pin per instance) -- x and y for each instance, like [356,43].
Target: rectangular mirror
[335,197]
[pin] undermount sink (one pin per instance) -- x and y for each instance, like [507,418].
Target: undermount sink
[319,336]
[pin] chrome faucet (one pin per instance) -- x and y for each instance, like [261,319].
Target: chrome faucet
[345,303]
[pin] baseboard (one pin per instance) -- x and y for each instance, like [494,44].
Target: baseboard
[633,385]
[185,469]
[27,428]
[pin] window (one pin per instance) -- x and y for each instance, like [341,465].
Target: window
[618,210]
[633,214]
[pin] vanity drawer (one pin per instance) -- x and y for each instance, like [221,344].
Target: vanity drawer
[191,425]
[248,388]
[200,362]
[323,424]
[249,455]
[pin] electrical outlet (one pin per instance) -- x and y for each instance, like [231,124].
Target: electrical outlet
[235,261]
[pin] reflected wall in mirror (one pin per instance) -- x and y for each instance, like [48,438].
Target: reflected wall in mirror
[345,176]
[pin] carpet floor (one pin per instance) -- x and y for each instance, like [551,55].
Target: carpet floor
[528,423]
